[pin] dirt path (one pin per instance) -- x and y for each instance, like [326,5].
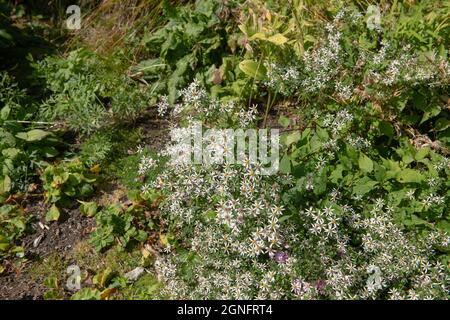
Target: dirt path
[44,239]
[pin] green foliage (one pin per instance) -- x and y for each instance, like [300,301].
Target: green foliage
[125,226]
[89,92]
[87,294]
[199,42]
[65,181]
[24,148]
[364,168]
[13,225]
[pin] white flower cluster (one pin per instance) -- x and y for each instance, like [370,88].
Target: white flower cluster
[235,219]
[337,122]
[358,142]
[326,67]
[194,94]
[246,117]
[241,246]
[146,164]
[197,105]
[432,200]
[163,105]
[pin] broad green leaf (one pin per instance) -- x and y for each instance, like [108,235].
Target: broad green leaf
[4,243]
[49,151]
[410,176]
[87,294]
[4,113]
[422,153]
[52,214]
[441,124]
[33,135]
[258,36]
[88,209]
[285,164]
[253,69]
[5,184]
[293,138]
[4,246]
[430,112]
[278,39]
[364,185]
[386,129]
[365,164]
[415,221]
[102,278]
[11,152]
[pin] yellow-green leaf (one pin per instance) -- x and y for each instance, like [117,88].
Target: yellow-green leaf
[88,209]
[258,36]
[278,39]
[253,69]
[52,214]
[5,184]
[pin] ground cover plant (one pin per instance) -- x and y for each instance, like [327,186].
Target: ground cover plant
[102,192]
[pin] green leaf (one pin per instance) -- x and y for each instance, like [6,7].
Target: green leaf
[365,164]
[284,121]
[285,164]
[4,113]
[422,153]
[386,128]
[416,221]
[4,243]
[49,152]
[52,214]
[293,138]
[87,294]
[11,152]
[5,184]
[441,124]
[88,209]
[33,135]
[253,69]
[258,36]
[430,112]
[278,39]
[86,190]
[410,176]
[102,278]
[364,185]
